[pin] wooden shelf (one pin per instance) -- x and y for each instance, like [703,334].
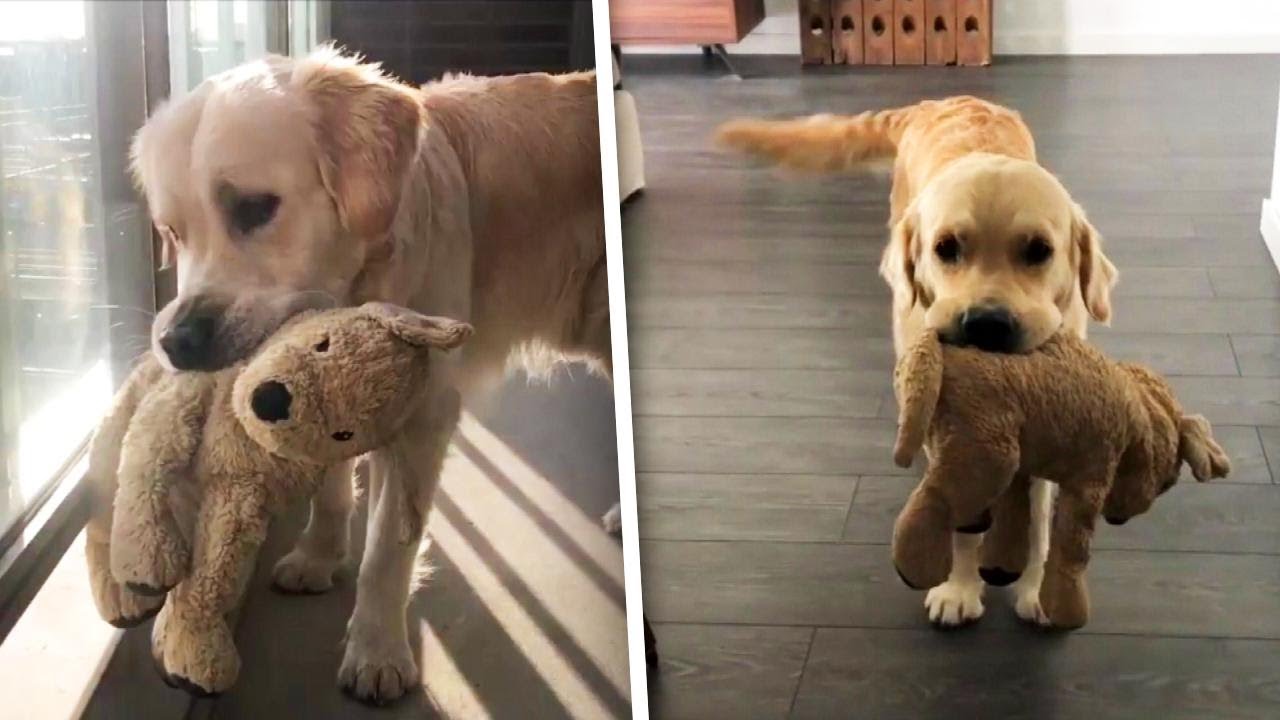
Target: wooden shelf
[679,22]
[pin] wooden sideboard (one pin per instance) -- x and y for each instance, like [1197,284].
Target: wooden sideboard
[681,22]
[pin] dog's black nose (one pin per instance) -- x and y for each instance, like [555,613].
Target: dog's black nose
[189,341]
[990,328]
[270,401]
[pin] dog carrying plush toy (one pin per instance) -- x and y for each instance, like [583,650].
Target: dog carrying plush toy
[198,463]
[1111,435]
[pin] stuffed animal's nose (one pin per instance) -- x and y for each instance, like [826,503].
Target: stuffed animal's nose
[991,328]
[189,341]
[270,401]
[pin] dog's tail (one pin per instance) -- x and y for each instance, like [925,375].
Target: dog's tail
[819,143]
[917,381]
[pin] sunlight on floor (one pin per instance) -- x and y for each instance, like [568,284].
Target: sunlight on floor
[547,572]
[60,644]
[448,686]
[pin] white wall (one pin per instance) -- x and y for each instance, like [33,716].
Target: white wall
[1081,27]
[1275,172]
[1270,223]
[1105,27]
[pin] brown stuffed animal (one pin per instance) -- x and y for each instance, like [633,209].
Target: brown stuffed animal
[198,463]
[1111,435]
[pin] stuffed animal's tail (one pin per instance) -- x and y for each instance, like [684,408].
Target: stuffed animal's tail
[1199,450]
[819,143]
[917,381]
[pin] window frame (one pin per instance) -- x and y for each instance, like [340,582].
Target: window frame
[140,42]
[122,35]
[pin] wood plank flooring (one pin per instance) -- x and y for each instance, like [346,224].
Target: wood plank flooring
[760,359]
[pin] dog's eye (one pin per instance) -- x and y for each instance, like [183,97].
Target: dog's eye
[947,249]
[343,435]
[1037,251]
[250,212]
[323,345]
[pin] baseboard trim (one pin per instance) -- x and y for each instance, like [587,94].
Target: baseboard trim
[1054,43]
[1028,43]
[1270,226]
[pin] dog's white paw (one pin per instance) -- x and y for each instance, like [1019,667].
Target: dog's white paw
[304,572]
[1026,603]
[612,520]
[377,670]
[954,603]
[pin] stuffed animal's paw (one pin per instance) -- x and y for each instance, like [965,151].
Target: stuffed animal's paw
[152,562]
[116,604]
[1065,601]
[954,603]
[199,657]
[377,668]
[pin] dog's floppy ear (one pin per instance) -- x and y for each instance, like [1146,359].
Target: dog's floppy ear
[367,128]
[1097,274]
[898,263]
[417,329]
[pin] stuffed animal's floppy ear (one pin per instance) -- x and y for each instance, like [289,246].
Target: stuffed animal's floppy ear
[1097,274]
[898,263]
[1202,453]
[420,330]
[366,127]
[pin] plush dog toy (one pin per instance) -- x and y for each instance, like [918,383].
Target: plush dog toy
[1111,435]
[197,464]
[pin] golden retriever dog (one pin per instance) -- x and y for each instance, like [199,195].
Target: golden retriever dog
[986,247]
[287,183]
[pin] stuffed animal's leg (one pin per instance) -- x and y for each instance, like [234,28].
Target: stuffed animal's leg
[323,545]
[1064,594]
[1004,546]
[926,551]
[148,551]
[192,641]
[965,491]
[116,604]
[377,665]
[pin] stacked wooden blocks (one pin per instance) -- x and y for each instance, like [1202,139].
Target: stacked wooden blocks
[895,32]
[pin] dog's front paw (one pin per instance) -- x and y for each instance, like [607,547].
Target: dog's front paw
[611,521]
[1026,597]
[377,670]
[198,657]
[302,571]
[1028,608]
[954,603]
[1026,603]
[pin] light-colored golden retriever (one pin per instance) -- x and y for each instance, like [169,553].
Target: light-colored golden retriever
[986,247]
[287,183]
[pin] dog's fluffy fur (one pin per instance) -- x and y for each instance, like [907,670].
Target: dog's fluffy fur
[965,178]
[472,198]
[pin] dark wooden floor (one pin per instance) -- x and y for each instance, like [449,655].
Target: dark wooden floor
[760,357]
